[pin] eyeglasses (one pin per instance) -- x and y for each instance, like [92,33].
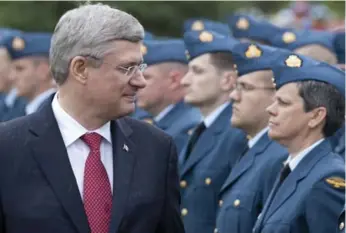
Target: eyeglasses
[130,71]
[127,71]
[246,87]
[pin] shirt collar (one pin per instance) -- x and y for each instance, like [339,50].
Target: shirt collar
[255,139]
[209,120]
[37,101]
[11,97]
[293,162]
[163,113]
[70,129]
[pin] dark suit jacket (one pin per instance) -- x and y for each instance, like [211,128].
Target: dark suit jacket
[38,190]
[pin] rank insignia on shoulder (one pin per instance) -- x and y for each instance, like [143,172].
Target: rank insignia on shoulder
[336,182]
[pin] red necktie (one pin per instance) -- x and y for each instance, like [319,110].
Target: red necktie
[97,190]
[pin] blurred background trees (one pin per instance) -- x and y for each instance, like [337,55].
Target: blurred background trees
[163,18]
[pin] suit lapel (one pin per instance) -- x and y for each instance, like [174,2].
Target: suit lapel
[124,152]
[49,151]
[288,187]
[246,161]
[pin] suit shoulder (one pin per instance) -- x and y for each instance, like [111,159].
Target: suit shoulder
[150,132]
[14,128]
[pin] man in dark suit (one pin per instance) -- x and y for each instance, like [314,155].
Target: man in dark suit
[71,168]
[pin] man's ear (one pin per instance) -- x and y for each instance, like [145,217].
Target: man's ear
[79,69]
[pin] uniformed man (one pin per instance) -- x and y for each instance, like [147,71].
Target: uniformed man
[163,96]
[244,193]
[214,146]
[5,64]
[12,105]
[318,45]
[30,69]
[200,24]
[246,28]
[309,106]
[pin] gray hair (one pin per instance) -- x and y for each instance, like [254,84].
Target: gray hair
[87,31]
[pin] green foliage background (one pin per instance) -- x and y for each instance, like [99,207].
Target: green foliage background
[163,18]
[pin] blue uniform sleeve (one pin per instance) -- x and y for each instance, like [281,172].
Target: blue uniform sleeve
[324,204]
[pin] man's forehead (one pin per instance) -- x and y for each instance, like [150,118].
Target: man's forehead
[256,76]
[288,90]
[200,60]
[22,61]
[126,49]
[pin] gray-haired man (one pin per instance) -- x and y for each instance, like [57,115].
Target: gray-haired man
[72,168]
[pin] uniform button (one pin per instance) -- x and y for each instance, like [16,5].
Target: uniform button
[184,212]
[183,184]
[216,230]
[208,181]
[341,226]
[236,203]
[220,203]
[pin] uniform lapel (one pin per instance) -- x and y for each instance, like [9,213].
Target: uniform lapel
[247,161]
[50,153]
[202,148]
[207,140]
[289,186]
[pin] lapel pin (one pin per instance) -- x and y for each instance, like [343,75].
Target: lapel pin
[126,148]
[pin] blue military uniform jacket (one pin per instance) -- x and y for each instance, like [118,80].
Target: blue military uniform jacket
[246,189]
[140,114]
[310,199]
[206,169]
[179,122]
[338,141]
[341,225]
[17,110]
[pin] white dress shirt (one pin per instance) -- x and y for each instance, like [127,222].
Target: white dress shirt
[77,150]
[293,162]
[255,139]
[33,105]
[209,120]
[163,113]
